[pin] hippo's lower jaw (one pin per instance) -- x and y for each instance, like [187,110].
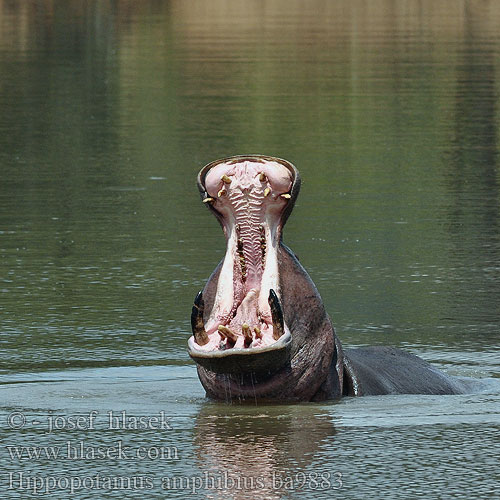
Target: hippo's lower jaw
[244,360]
[244,329]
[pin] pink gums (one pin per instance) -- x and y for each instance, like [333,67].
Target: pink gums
[250,196]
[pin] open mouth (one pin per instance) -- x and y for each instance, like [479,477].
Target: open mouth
[251,196]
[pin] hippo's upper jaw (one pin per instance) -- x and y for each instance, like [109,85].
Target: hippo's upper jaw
[249,329]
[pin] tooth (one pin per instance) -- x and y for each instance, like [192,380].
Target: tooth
[227,333]
[287,196]
[277,315]
[267,191]
[247,333]
[262,177]
[226,179]
[258,334]
[222,192]
[200,335]
[208,200]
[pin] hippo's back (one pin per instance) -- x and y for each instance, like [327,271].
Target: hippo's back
[387,370]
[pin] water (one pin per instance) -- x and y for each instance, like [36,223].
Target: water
[107,112]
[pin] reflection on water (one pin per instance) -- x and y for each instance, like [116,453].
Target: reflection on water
[255,452]
[388,109]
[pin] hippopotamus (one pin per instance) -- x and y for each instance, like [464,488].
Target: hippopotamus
[260,329]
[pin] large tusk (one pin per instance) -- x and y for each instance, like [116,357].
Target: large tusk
[197,325]
[277,315]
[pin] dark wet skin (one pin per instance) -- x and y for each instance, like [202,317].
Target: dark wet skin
[260,330]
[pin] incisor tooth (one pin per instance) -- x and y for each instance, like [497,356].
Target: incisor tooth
[227,333]
[267,191]
[258,334]
[247,333]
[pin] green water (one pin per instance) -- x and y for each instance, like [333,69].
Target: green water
[107,112]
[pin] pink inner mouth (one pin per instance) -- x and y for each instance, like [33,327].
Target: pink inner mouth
[249,195]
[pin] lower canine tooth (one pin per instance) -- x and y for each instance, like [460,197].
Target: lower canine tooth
[200,335]
[277,315]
